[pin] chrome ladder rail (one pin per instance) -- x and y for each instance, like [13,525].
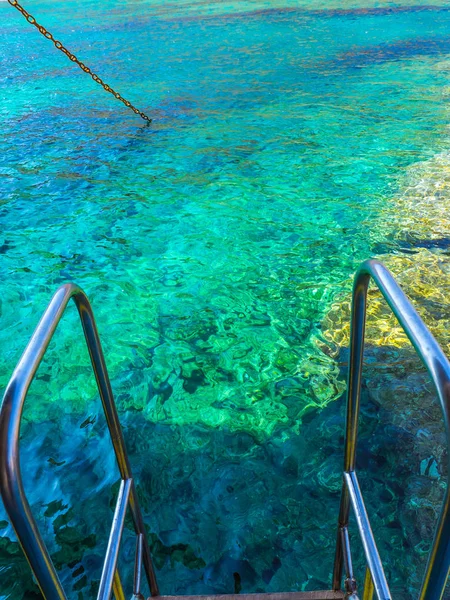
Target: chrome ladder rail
[11,485]
[438,366]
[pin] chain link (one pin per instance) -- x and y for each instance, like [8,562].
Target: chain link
[74,59]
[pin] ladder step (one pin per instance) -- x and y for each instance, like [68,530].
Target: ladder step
[325,595]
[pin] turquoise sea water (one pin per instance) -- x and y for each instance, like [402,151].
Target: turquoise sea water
[212,245]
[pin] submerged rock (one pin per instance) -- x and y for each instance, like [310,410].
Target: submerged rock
[425,278]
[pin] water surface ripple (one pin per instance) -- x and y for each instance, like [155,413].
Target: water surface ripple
[213,246]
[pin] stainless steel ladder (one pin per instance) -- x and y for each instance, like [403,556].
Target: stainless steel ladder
[438,367]
[26,528]
[11,486]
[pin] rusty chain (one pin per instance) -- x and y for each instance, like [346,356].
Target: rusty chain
[74,59]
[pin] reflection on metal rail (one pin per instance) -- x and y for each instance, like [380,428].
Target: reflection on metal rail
[438,366]
[13,494]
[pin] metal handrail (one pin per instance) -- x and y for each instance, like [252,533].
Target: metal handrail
[438,366]
[11,485]
[112,552]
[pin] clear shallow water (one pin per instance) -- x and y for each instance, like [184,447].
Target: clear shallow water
[212,245]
